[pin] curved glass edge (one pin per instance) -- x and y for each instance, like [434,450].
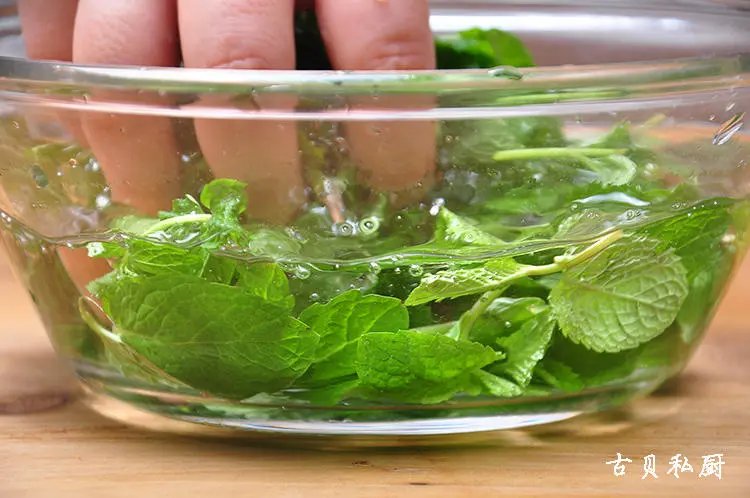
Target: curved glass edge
[495,93]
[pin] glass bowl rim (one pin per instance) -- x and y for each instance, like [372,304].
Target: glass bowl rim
[459,94]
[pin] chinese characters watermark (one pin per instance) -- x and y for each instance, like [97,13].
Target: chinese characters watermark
[679,464]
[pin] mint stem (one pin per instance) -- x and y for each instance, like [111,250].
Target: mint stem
[468,319]
[554,153]
[94,324]
[177,220]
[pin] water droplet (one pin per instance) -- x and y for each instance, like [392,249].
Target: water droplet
[729,129]
[508,325]
[416,271]
[397,270]
[302,272]
[469,238]
[575,206]
[375,267]
[314,296]
[505,72]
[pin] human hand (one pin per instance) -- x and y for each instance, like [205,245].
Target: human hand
[139,155]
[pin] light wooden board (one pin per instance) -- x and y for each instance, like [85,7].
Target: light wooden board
[67,451]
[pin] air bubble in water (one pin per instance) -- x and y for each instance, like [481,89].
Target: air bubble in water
[437,204]
[416,271]
[102,201]
[729,129]
[302,272]
[344,229]
[632,214]
[369,225]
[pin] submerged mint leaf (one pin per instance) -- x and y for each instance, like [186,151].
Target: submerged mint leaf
[616,170]
[146,258]
[452,229]
[498,386]
[250,346]
[343,320]
[267,281]
[559,375]
[450,284]
[696,236]
[504,317]
[525,348]
[419,368]
[622,297]
[133,225]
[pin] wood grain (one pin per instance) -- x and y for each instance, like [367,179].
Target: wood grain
[58,448]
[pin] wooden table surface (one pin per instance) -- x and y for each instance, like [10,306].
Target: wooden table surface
[52,446]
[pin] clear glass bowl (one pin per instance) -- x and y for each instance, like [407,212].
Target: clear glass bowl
[412,253]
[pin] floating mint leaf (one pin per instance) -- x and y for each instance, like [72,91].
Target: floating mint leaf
[620,298]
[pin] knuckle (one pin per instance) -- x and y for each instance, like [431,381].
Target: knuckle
[400,50]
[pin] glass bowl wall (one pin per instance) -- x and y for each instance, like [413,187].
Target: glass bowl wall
[412,253]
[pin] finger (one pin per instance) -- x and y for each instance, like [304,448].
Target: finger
[384,35]
[48,28]
[48,35]
[138,154]
[247,34]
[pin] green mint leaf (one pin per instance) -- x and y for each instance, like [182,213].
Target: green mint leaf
[620,298]
[590,368]
[559,375]
[498,386]
[133,225]
[219,269]
[413,367]
[267,281]
[146,258]
[225,197]
[452,229]
[105,250]
[471,144]
[215,338]
[525,348]
[101,286]
[696,236]
[504,317]
[613,170]
[182,207]
[450,284]
[478,48]
[343,320]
